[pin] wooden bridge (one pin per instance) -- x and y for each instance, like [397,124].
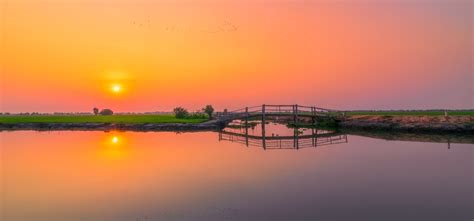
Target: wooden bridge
[294,111]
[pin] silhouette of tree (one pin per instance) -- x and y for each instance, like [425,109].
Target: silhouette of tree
[95,110]
[106,112]
[180,112]
[209,110]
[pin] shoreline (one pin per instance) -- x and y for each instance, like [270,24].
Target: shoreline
[460,138]
[409,124]
[140,127]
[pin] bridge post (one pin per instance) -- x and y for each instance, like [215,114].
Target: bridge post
[246,116]
[247,126]
[296,138]
[264,143]
[295,114]
[295,130]
[246,135]
[263,128]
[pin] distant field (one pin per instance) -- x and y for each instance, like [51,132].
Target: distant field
[413,113]
[131,119]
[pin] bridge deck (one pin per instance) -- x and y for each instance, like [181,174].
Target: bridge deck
[284,142]
[277,110]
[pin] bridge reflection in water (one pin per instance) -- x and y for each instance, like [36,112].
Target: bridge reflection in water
[296,141]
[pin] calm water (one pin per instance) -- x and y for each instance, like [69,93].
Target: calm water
[98,176]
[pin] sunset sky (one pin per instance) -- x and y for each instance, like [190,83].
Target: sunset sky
[144,55]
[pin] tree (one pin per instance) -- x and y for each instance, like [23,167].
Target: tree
[180,112]
[106,112]
[208,110]
[95,110]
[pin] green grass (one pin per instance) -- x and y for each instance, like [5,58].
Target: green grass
[413,113]
[131,119]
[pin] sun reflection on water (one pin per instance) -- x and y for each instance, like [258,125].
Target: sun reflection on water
[115,139]
[114,147]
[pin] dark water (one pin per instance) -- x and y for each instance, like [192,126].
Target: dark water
[68,176]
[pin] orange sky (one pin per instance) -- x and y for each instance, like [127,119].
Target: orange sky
[64,55]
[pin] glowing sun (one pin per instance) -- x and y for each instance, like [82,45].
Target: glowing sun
[116,88]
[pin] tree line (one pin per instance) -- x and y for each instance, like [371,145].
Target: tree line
[179,112]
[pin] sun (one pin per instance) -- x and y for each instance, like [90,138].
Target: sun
[116,88]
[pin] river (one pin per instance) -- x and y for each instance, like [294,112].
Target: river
[131,176]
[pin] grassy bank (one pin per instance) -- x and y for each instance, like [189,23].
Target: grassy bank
[129,119]
[413,113]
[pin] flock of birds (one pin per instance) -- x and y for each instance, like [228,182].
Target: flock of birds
[225,26]
[146,24]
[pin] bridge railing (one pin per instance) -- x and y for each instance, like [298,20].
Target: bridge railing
[276,109]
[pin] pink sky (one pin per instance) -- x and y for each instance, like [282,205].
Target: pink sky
[64,56]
